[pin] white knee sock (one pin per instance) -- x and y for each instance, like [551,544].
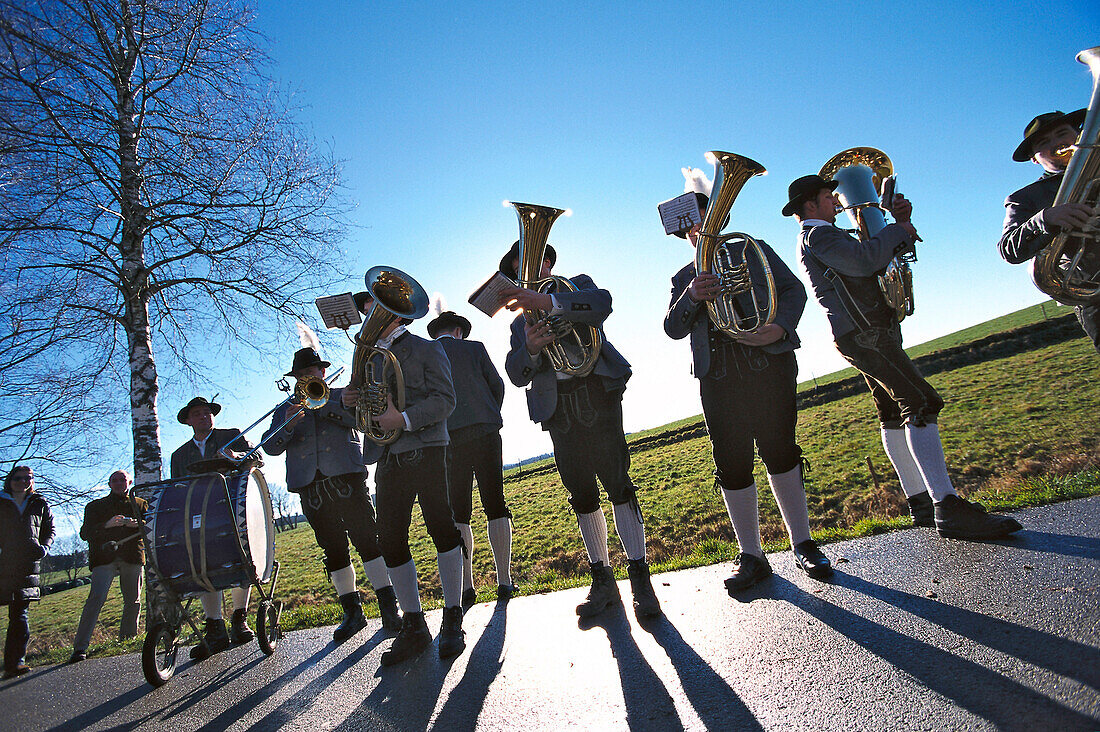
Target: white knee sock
[240,597]
[343,580]
[405,586]
[790,496]
[745,516]
[467,561]
[594,533]
[901,457]
[450,576]
[631,531]
[500,539]
[928,452]
[376,573]
[211,605]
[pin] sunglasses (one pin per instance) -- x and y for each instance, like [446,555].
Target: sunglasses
[22,478]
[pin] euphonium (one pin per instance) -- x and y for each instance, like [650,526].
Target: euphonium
[736,311]
[859,172]
[1068,269]
[576,347]
[396,295]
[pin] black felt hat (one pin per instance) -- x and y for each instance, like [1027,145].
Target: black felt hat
[804,188]
[214,408]
[506,262]
[1041,124]
[304,358]
[361,300]
[702,200]
[448,320]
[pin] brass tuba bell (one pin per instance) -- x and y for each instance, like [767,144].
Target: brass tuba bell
[859,172]
[396,295]
[736,311]
[576,347]
[1068,269]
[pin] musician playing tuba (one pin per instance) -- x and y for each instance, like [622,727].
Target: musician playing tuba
[747,385]
[584,416]
[843,272]
[1031,221]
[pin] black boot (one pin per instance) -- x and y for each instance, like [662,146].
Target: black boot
[387,609]
[920,508]
[410,642]
[645,600]
[452,639]
[750,569]
[353,617]
[603,594]
[957,518]
[239,631]
[216,640]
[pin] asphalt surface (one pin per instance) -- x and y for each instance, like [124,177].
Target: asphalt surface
[914,632]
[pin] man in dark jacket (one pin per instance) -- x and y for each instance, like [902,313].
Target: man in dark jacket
[1031,221]
[475,449]
[584,416]
[113,527]
[747,385]
[26,532]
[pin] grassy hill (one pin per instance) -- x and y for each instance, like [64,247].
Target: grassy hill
[1019,430]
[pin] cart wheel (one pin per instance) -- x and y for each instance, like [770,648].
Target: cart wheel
[158,654]
[267,626]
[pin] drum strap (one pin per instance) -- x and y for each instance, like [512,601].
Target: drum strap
[198,573]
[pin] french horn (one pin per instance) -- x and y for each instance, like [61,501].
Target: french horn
[396,295]
[1068,269]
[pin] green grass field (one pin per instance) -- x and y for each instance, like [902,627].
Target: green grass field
[1017,431]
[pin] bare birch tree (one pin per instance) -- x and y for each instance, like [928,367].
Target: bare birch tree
[157,200]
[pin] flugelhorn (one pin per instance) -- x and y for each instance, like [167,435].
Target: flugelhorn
[576,347]
[1068,269]
[859,172]
[736,311]
[396,295]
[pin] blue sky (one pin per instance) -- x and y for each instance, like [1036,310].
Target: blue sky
[441,112]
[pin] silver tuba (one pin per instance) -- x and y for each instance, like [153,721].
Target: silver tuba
[396,295]
[736,311]
[576,347]
[1068,269]
[859,172]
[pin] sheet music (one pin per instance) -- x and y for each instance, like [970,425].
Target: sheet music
[487,297]
[680,213]
[338,311]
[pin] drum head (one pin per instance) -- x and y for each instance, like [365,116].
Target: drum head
[259,525]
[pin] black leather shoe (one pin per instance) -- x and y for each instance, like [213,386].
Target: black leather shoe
[14,671]
[603,594]
[505,592]
[957,518]
[452,639]
[920,508]
[641,587]
[410,642]
[387,609]
[353,621]
[216,640]
[469,598]
[77,657]
[239,632]
[750,569]
[812,561]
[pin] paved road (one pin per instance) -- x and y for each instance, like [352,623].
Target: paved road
[914,633]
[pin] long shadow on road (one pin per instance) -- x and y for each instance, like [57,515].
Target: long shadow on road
[464,703]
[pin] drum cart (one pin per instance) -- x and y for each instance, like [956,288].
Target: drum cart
[172,591]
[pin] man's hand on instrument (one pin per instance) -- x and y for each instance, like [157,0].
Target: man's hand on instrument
[119,520]
[515,298]
[538,336]
[704,287]
[349,397]
[390,419]
[295,412]
[1068,216]
[764,335]
[901,209]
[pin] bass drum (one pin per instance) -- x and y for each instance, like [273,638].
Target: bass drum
[211,532]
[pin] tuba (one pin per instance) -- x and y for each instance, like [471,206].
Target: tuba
[736,311]
[576,347]
[396,295]
[1068,269]
[859,172]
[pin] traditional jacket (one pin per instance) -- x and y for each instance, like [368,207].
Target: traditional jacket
[1025,230]
[189,453]
[479,390]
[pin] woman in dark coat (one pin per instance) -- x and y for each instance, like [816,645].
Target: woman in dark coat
[26,532]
